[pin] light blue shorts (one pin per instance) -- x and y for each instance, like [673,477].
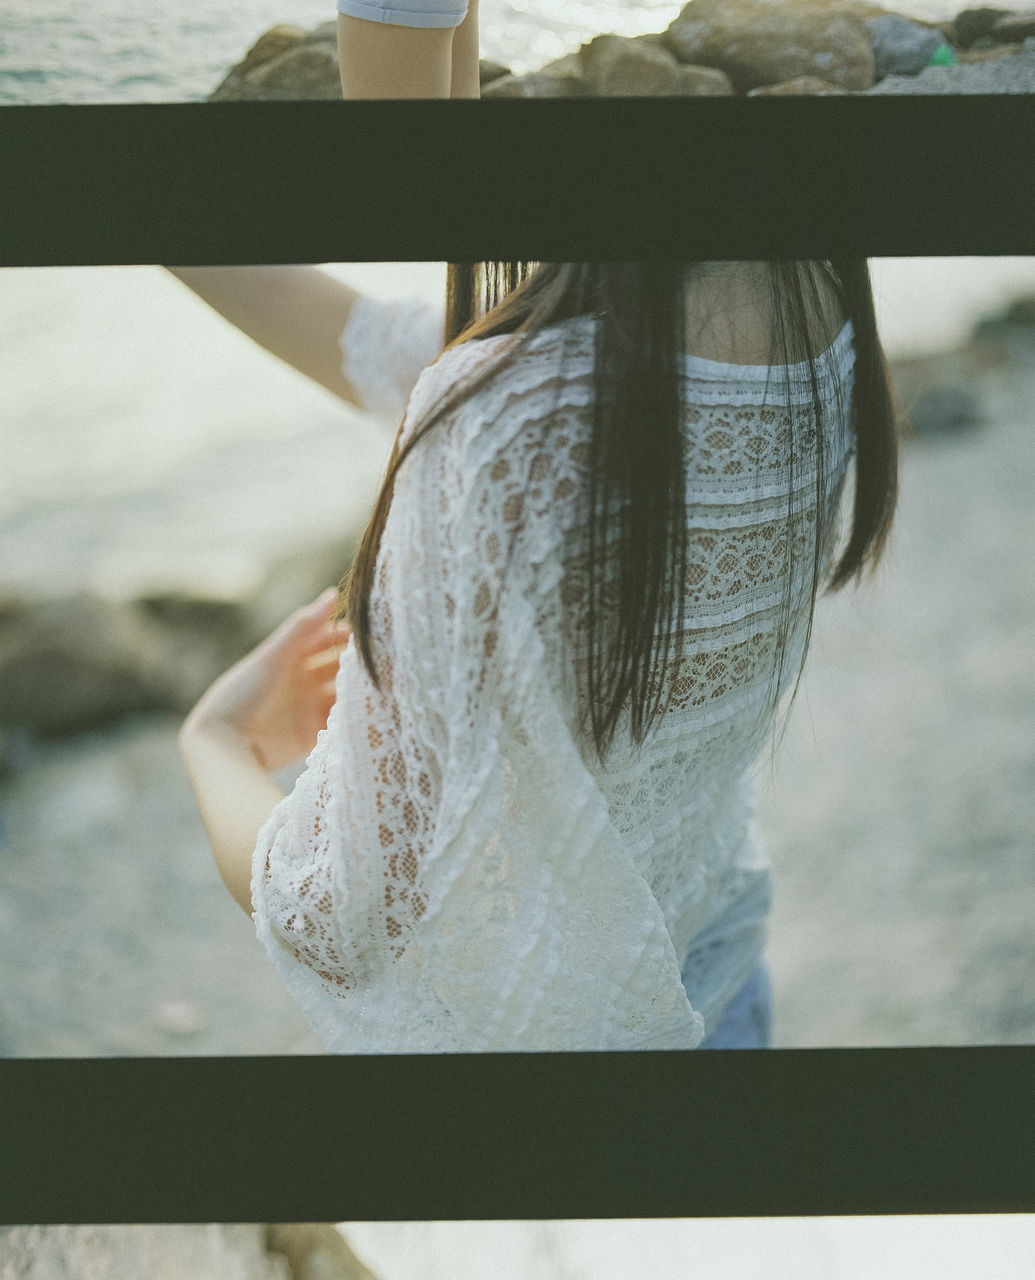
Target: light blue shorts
[407,13]
[746,1022]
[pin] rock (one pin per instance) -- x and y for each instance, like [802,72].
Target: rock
[206,1251]
[287,64]
[75,663]
[1021,311]
[1016,28]
[620,66]
[901,47]
[1013,71]
[948,409]
[759,43]
[489,71]
[972,24]
[982,52]
[559,79]
[315,1251]
[1007,337]
[79,662]
[803,84]
[271,44]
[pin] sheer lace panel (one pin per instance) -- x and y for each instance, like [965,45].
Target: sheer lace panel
[455,870]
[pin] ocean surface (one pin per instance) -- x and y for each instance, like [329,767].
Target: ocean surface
[110,51]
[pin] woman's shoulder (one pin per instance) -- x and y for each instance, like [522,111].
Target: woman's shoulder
[509,377]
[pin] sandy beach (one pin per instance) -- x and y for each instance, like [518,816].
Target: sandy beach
[899,816]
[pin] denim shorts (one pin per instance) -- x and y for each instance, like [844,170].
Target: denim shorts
[407,13]
[746,1022]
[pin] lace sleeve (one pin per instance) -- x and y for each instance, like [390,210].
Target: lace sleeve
[446,876]
[384,347]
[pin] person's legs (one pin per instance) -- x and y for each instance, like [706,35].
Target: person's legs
[379,60]
[466,80]
[408,49]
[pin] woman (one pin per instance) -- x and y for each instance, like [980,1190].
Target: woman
[586,586]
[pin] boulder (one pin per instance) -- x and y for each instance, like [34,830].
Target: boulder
[986,51]
[74,663]
[1015,28]
[803,84]
[621,66]
[973,24]
[71,664]
[207,1251]
[287,64]
[315,1251]
[1021,312]
[489,71]
[561,78]
[271,44]
[949,409]
[901,47]
[759,43]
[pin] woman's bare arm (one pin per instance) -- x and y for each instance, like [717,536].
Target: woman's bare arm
[297,313]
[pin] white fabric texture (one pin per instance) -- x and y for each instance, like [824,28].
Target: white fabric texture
[385,346]
[455,870]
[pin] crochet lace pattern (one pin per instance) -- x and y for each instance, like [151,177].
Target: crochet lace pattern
[455,870]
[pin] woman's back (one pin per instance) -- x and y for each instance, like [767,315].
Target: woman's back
[486,880]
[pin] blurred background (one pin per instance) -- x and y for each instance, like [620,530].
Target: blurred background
[939,1248]
[933,1248]
[169,492]
[105,51]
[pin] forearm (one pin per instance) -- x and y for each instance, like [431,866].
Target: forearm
[235,796]
[297,313]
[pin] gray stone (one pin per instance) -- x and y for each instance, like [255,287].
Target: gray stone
[1017,27]
[315,1251]
[901,47]
[1012,73]
[559,79]
[280,68]
[489,71]
[758,43]
[289,63]
[128,1252]
[803,84]
[70,664]
[621,66]
[973,24]
[945,410]
[1021,311]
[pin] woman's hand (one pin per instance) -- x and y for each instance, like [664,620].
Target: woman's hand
[278,697]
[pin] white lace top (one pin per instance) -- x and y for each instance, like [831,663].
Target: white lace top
[454,870]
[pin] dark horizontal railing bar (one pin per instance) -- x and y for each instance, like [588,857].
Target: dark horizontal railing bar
[508,1136]
[549,179]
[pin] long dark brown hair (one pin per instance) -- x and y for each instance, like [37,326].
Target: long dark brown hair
[637,452]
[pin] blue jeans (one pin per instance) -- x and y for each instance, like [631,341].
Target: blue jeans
[407,13]
[746,1022]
